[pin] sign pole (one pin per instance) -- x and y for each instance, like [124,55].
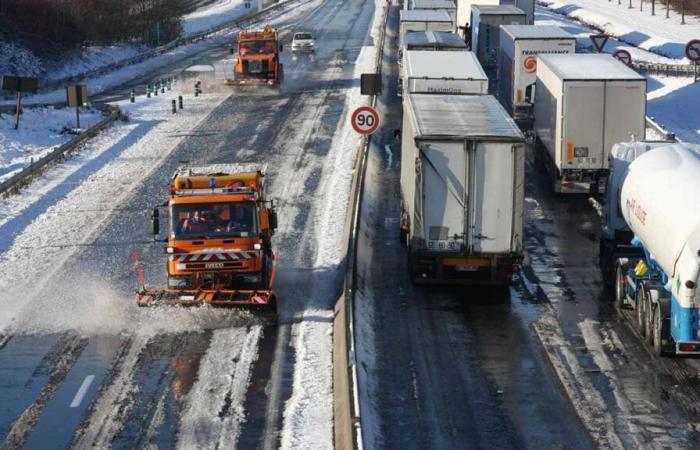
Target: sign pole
[19,99]
[77,115]
[695,69]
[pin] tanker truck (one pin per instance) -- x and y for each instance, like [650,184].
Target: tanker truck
[651,242]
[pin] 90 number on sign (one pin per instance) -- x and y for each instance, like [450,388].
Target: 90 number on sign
[365,120]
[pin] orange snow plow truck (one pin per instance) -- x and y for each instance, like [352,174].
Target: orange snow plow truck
[219,239]
[258,59]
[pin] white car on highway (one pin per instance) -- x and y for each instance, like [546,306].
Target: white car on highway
[303,42]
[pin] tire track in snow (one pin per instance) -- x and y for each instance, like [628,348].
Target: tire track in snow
[213,411]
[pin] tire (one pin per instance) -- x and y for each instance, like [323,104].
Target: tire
[639,307]
[656,332]
[648,319]
[619,286]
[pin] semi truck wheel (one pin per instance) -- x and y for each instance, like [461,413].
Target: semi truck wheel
[639,306]
[648,319]
[619,286]
[656,331]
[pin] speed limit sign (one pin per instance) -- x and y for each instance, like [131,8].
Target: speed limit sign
[365,120]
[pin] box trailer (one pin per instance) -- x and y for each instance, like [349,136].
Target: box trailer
[517,64]
[438,72]
[423,20]
[585,104]
[438,5]
[462,170]
[485,25]
[464,12]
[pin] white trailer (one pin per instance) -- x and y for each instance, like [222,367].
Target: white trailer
[423,20]
[585,104]
[438,5]
[462,187]
[438,72]
[517,64]
[655,197]
[464,12]
[485,26]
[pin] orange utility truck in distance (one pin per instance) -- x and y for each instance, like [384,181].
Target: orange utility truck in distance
[219,239]
[258,59]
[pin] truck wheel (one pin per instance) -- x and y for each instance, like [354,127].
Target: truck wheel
[619,286]
[639,306]
[648,319]
[656,331]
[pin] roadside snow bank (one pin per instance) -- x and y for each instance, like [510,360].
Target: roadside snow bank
[213,15]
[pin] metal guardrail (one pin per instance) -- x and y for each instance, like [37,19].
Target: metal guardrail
[55,84]
[678,70]
[659,128]
[36,167]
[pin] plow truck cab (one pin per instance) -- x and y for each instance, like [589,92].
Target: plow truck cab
[219,238]
[257,59]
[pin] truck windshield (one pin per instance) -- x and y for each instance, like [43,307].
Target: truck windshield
[303,37]
[213,220]
[256,47]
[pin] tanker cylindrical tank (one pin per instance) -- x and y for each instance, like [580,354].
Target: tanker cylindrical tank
[659,199]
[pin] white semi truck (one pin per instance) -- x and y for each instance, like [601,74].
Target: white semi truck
[440,72]
[517,64]
[651,241]
[462,187]
[585,103]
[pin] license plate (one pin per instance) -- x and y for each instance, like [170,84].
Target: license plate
[466,268]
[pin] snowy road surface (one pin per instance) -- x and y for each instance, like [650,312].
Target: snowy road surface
[80,365]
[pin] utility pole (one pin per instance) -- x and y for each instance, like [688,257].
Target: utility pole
[667,2]
[653,7]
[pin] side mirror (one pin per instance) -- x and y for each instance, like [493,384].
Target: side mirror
[272,218]
[156,222]
[281,48]
[397,135]
[231,50]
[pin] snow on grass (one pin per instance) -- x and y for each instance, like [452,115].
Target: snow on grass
[90,58]
[213,411]
[308,414]
[17,60]
[639,28]
[44,226]
[544,16]
[40,130]
[215,14]
[673,102]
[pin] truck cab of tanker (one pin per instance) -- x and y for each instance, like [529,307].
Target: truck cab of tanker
[219,229]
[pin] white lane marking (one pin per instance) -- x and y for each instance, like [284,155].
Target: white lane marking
[78,399]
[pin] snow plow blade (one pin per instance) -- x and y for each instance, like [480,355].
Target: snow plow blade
[224,298]
[251,82]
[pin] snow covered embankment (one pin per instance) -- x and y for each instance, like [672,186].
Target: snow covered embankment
[40,130]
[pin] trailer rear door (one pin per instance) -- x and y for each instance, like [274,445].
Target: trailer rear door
[493,201]
[625,108]
[444,166]
[584,113]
